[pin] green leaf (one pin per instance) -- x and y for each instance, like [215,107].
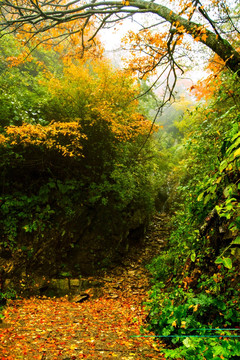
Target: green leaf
[188,343]
[219,261]
[235,252]
[200,196]
[223,165]
[212,189]
[52,184]
[62,188]
[218,208]
[207,198]
[233,146]
[227,262]
[236,241]
[193,256]
[236,136]
[65,274]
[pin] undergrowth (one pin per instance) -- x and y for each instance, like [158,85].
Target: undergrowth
[194,300]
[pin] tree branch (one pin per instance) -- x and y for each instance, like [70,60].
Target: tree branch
[46,15]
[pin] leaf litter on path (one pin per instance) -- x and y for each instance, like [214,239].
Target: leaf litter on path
[101,328]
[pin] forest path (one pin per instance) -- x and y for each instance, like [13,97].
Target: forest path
[104,327]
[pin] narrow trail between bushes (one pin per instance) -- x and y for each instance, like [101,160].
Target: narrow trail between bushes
[105,326]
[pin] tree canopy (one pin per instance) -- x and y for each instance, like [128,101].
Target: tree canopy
[163,45]
[213,23]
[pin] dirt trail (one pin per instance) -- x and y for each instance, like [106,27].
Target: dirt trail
[131,277]
[103,327]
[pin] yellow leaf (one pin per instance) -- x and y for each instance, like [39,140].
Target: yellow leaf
[195,308]
[237,153]
[181,29]
[191,9]
[155,347]
[174,323]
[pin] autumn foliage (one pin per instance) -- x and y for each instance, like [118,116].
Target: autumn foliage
[79,175]
[72,132]
[63,137]
[94,91]
[59,329]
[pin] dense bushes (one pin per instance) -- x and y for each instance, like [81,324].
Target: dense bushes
[71,164]
[195,281]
